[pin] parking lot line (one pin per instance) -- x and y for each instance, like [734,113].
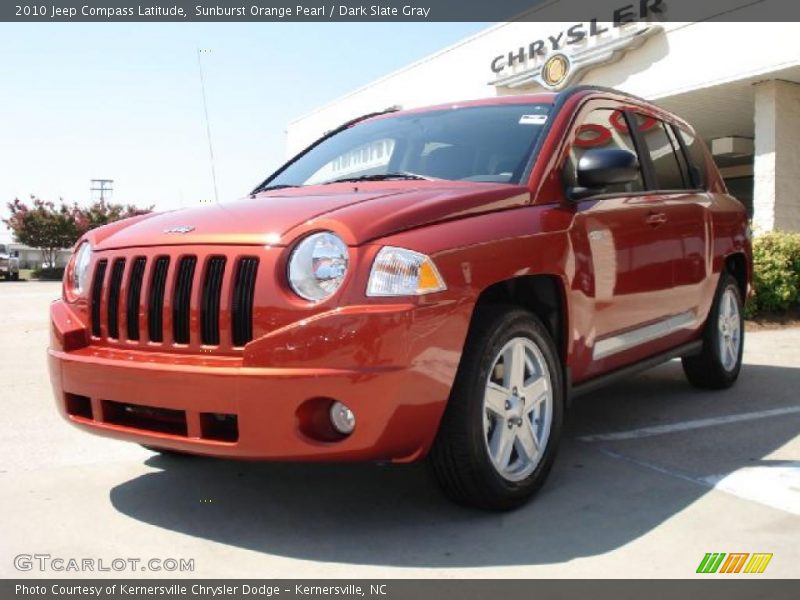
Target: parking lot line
[688,425]
[777,486]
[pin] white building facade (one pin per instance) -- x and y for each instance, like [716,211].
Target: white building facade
[737,83]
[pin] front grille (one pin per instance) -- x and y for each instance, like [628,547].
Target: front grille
[181,299]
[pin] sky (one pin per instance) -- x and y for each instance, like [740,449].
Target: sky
[81,101]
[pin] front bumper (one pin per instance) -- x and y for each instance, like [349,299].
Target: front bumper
[393,365]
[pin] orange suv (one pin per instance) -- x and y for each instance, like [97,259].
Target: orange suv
[433,282]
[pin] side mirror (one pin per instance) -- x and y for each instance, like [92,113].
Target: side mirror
[600,168]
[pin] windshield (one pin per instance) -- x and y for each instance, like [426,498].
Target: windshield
[478,143]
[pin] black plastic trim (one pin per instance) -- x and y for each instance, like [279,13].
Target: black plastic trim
[603,380]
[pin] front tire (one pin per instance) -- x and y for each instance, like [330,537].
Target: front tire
[718,364]
[503,421]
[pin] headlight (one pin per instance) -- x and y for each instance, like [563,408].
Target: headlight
[401,272]
[79,274]
[317,266]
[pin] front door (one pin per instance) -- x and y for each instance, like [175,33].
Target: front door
[623,243]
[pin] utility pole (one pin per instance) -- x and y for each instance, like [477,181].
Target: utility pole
[101,188]
[200,52]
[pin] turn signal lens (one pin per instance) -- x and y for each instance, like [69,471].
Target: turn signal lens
[401,272]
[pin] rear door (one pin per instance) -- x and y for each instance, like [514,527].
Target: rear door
[687,221]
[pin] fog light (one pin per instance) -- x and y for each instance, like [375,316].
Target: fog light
[342,418]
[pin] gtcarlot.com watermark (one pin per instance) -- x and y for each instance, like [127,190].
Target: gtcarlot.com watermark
[59,564]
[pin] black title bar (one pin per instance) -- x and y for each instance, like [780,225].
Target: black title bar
[393,10]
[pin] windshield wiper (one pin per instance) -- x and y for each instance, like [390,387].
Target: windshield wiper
[381,177]
[281,186]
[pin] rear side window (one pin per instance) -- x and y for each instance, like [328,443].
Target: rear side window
[601,128]
[696,158]
[664,154]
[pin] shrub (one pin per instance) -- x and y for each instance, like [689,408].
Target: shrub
[776,273]
[56,273]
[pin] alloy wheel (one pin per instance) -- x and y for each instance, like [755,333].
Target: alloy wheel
[517,409]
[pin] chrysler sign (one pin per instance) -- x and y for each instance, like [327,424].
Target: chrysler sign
[557,59]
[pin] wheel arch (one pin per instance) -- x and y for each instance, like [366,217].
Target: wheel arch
[736,265]
[542,295]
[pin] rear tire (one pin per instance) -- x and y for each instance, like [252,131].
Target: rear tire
[499,434]
[718,364]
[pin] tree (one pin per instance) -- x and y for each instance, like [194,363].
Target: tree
[103,213]
[44,225]
[51,227]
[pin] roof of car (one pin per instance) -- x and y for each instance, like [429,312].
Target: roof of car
[541,98]
[537,98]
[553,98]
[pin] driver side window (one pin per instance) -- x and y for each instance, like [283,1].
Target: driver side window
[601,128]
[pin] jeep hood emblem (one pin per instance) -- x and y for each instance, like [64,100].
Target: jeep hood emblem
[179,229]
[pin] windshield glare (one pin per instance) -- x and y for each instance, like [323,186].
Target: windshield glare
[479,143]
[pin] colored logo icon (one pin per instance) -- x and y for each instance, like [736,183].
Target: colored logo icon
[734,562]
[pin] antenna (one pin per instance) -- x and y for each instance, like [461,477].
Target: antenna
[201,51]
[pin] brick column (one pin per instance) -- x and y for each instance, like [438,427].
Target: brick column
[776,170]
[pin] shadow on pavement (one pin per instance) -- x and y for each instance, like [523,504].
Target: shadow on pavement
[394,515]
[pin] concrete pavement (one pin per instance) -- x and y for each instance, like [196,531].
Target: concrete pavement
[652,474]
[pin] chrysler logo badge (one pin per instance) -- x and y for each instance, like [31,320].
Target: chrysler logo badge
[179,229]
[555,70]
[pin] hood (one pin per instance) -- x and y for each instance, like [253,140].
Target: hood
[358,213]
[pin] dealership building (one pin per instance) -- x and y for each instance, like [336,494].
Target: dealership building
[737,83]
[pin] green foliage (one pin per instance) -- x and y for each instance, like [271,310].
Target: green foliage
[50,227]
[55,274]
[102,213]
[776,273]
[44,225]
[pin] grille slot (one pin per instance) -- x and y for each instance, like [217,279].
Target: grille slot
[115,283]
[134,298]
[181,300]
[146,418]
[242,308]
[212,292]
[155,319]
[97,295]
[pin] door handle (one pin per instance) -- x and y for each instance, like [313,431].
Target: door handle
[655,219]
